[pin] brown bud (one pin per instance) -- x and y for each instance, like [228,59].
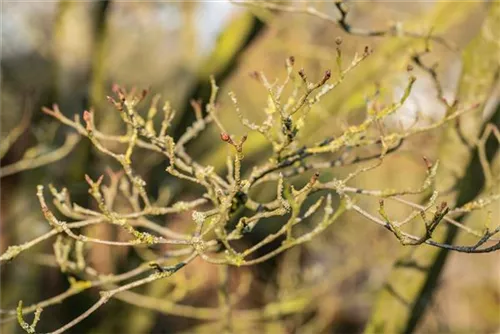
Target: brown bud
[291,59]
[225,137]
[144,93]
[428,164]
[254,75]
[195,103]
[409,68]
[315,177]
[87,117]
[119,91]
[338,40]
[327,76]
[302,74]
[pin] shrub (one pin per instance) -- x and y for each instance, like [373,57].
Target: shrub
[221,211]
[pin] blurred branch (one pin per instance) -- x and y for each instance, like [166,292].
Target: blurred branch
[15,133]
[42,159]
[469,188]
[417,287]
[226,208]
[395,31]
[212,229]
[106,295]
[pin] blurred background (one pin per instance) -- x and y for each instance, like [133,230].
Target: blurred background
[71,53]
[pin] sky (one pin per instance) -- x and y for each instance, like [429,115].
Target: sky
[21,23]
